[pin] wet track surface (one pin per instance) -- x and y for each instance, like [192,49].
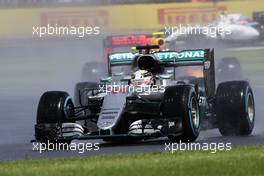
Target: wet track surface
[27,73]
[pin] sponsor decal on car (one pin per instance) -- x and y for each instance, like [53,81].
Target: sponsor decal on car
[167,56]
[121,57]
[181,56]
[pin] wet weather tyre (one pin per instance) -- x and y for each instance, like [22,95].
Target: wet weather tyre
[54,108]
[182,101]
[235,108]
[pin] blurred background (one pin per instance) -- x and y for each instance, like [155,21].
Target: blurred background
[55,62]
[30,65]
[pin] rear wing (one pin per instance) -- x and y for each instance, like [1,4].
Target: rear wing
[164,56]
[199,57]
[188,57]
[202,57]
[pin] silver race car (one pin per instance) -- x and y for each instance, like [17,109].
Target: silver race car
[148,94]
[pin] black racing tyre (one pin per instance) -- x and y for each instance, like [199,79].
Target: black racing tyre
[235,108]
[229,69]
[81,90]
[93,71]
[182,101]
[54,108]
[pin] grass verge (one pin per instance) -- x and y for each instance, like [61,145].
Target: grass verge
[239,161]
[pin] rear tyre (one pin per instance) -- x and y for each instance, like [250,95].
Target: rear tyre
[54,108]
[182,101]
[235,108]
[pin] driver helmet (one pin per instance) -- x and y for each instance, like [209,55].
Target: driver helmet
[142,78]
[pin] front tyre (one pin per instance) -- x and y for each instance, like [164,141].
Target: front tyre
[235,108]
[54,108]
[185,105]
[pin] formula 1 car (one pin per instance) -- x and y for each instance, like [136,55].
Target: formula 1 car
[226,30]
[148,96]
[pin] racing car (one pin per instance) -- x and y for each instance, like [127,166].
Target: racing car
[146,95]
[228,29]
